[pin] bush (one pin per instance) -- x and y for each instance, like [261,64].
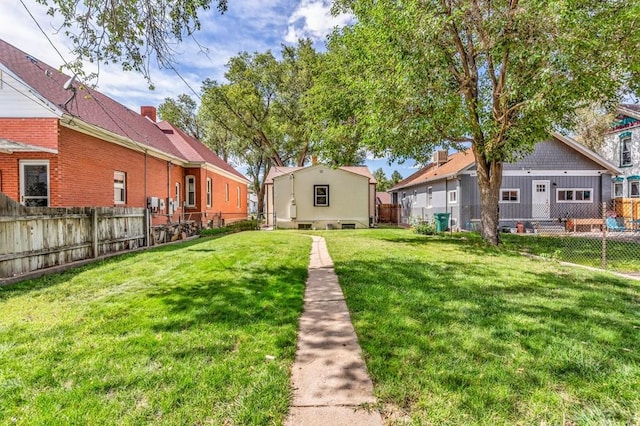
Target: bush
[425,227]
[244,225]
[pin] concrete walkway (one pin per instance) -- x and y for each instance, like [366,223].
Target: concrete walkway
[329,378]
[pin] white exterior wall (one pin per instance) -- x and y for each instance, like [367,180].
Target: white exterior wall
[17,100]
[350,199]
[611,151]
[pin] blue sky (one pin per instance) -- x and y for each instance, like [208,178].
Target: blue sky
[249,25]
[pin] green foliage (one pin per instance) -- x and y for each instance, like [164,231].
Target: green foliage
[243,225]
[395,178]
[129,32]
[498,75]
[381,178]
[424,227]
[182,113]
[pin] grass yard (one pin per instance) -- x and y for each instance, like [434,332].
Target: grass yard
[621,256]
[457,333]
[197,333]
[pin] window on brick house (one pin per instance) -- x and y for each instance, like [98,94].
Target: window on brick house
[119,187]
[191,191]
[238,196]
[209,192]
[178,194]
[226,192]
[34,183]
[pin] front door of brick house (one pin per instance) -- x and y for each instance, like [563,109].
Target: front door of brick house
[34,183]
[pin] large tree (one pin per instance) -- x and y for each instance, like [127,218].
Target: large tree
[498,75]
[262,109]
[182,113]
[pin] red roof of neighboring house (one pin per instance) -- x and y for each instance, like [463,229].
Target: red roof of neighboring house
[194,150]
[276,171]
[383,198]
[88,105]
[456,162]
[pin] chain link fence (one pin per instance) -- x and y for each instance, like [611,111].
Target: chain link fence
[602,235]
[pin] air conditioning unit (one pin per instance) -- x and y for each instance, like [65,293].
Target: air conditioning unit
[440,157]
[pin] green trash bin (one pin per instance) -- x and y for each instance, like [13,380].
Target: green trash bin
[442,221]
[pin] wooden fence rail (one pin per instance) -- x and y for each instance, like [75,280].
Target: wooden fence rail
[33,238]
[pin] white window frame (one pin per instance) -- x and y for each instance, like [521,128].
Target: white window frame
[634,184]
[503,190]
[625,150]
[452,196]
[190,190]
[618,185]
[209,192]
[24,163]
[238,197]
[575,191]
[317,196]
[178,194]
[429,197]
[119,185]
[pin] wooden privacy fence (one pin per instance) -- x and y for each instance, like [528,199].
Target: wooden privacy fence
[33,238]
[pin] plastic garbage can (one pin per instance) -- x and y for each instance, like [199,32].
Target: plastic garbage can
[442,221]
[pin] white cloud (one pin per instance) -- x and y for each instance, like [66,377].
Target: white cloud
[313,19]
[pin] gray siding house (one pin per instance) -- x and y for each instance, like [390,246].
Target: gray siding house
[558,180]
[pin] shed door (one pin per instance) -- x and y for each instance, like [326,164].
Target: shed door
[540,208]
[34,183]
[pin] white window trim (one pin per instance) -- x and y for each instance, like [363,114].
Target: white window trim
[209,192]
[315,196]
[574,201]
[124,187]
[517,201]
[187,191]
[633,183]
[453,193]
[429,197]
[621,185]
[178,194]
[23,163]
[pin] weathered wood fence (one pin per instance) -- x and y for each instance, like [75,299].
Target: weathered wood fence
[33,238]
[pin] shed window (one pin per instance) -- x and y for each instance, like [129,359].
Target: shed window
[625,150]
[119,187]
[429,197]
[510,195]
[321,195]
[453,196]
[191,191]
[574,195]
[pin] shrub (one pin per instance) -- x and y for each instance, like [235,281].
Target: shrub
[425,227]
[244,225]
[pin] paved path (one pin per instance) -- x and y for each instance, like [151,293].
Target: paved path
[329,378]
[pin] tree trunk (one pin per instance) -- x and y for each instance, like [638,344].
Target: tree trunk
[489,182]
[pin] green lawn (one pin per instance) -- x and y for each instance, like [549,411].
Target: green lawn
[197,333]
[457,333]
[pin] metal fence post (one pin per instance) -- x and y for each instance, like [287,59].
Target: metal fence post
[604,235]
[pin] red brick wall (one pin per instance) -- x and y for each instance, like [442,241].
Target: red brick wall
[82,173]
[33,131]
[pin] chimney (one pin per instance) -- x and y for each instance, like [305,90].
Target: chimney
[149,112]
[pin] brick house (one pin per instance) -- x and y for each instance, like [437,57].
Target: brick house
[65,145]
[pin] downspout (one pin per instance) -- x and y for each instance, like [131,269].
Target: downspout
[168,190]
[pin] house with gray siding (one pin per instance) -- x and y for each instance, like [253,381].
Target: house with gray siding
[560,179]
